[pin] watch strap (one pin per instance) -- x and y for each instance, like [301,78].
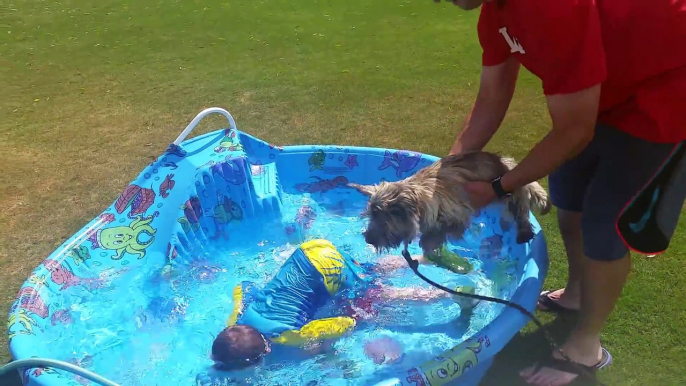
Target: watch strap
[498,188]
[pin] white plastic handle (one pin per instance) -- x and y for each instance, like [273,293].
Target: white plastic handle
[199,118]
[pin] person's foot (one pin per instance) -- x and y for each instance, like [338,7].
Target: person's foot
[558,300]
[557,371]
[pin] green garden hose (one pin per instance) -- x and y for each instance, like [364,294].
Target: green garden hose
[43,362]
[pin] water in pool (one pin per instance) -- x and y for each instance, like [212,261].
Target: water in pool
[155,327]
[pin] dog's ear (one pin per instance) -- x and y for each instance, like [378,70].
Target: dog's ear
[367,190]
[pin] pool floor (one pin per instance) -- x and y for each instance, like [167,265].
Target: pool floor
[155,327]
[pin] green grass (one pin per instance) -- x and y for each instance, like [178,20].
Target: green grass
[91,91]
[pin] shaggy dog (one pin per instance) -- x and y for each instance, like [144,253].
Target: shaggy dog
[433,202]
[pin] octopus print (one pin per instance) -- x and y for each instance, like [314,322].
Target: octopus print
[126,239]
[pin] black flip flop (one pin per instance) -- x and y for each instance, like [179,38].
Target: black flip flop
[574,368]
[551,305]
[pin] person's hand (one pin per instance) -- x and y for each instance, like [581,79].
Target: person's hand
[480,193]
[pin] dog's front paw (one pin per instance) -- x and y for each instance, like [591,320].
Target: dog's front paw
[431,241]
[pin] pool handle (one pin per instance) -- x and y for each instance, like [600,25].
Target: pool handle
[44,362]
[199,117]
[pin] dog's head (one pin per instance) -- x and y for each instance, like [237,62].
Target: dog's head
[394,214]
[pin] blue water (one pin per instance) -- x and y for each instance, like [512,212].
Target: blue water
[153,327]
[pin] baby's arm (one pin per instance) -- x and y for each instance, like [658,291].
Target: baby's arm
[392,263]
[390,293]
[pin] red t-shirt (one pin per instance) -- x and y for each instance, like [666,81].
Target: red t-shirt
[635,48]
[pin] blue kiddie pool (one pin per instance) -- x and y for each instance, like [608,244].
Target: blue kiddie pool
[137,295]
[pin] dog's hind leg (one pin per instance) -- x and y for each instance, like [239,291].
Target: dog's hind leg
[537,198]
[518,206]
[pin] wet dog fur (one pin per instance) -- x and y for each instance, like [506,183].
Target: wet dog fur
[433,203]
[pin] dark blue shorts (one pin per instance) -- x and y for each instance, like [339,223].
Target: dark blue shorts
[602,180]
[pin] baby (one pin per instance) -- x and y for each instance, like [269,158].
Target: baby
[283,312]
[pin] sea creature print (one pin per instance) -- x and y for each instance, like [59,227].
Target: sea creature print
[453,363]
[415,377]
[170,165]
[176,150]
[192,211]
[231,170]
[63,276]
[229,143]
[61,317]
[224,213]
[125,239]
[351,161]
[171,252]
[167,185]
[402,161]
[321,185]
[23,319]
[139,199]
[316,161]
[79,254]
[29,304]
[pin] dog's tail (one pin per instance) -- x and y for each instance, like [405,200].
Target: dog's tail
[538,197]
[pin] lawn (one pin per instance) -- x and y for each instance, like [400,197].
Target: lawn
[92,91]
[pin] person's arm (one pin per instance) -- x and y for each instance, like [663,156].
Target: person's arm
[493,99]
[391,263]
[389,293]
[571,72]
[574,117]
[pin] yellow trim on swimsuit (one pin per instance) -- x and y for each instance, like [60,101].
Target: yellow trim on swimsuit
[327,261]
[237,305]
[316,330]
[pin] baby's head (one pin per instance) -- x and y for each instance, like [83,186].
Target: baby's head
[238,347]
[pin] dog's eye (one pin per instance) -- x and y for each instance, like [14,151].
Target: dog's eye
[396,211]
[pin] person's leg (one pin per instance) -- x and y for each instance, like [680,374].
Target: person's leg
[626,164]
[569,297]
[568,186]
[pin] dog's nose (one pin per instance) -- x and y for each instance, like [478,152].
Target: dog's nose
[369,238]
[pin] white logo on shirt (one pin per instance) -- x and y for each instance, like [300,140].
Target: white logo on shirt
[512,42]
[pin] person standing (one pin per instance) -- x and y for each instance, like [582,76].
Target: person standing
[614,76]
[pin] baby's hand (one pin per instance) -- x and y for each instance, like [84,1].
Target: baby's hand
[383,350]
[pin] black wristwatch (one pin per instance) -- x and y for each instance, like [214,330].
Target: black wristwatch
[498,188]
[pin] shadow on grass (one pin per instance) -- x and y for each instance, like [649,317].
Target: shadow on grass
[525,349]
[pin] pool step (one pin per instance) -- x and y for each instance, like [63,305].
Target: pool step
[225,195]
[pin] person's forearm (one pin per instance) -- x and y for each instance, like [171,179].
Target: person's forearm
[551,152]
[480,125]
[495,94]
[574,117]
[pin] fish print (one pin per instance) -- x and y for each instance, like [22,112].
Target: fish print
[316,161]
[402,161]
[232,170]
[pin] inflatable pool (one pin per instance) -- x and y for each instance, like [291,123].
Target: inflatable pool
[138,293]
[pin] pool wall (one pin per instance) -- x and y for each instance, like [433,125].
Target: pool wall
[207,188]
